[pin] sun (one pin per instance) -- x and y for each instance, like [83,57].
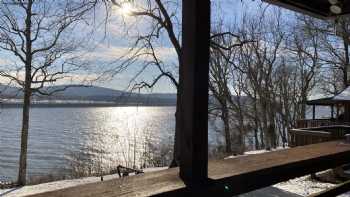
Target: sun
[126,9]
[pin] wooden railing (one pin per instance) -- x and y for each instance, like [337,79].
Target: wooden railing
[313,135]
[301,137]
[307,123]
[226,177]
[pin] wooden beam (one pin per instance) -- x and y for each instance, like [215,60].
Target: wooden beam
[346,112]
[313,112]
[332,111]
[194,134]
[337,105]
[315,8]
[319,133]
[258,171]
[228,177]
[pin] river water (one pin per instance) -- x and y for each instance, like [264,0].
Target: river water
[109,136]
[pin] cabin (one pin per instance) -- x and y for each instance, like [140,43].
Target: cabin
[338,108]
[196,176]
[332,126]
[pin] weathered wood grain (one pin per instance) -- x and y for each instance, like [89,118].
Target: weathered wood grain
[227,177]
[195,79]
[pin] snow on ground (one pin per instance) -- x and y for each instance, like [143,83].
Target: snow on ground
[254,152]
[35,189]
[154,169]
[345,195]
[303,186]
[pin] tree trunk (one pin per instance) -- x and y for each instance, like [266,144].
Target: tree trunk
[256,140]
[271,126]
[176,154]
[22,172]
[225,119]
[241,136]
[262,137]
[265,125]
[303,106]
[347,63]
[256,123]
[178,122]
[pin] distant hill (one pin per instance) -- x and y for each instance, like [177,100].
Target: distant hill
[92,94]
[10,92]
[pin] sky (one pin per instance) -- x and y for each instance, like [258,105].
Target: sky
[107,47]
[229,10]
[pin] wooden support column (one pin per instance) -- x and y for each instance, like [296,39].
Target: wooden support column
[194,133]
[332,111]
[337,105]
[346,112]
[313,112]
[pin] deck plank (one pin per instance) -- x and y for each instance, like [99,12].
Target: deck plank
[228,177]
[233,167]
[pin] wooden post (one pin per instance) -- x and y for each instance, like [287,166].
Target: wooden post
[337,105]
[313,112]
[346,112]
[194,134]
[332,111]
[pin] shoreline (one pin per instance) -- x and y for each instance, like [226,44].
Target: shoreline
[57,185]
[79,105]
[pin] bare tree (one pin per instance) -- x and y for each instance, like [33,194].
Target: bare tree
[333,49]
[258,62]
[164,23]
[218,85]
[223,80]
[37,34]
[163,16]
[305,63]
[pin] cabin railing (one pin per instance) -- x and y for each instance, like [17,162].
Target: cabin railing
[313,135]
[307,123]
[301,137]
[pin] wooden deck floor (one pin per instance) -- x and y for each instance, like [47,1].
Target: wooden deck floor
[227,177]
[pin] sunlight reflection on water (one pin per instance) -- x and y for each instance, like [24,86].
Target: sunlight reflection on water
[107,134]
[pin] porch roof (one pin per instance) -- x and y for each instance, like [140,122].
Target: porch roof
[322,101]
[342,97]
[317,8]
